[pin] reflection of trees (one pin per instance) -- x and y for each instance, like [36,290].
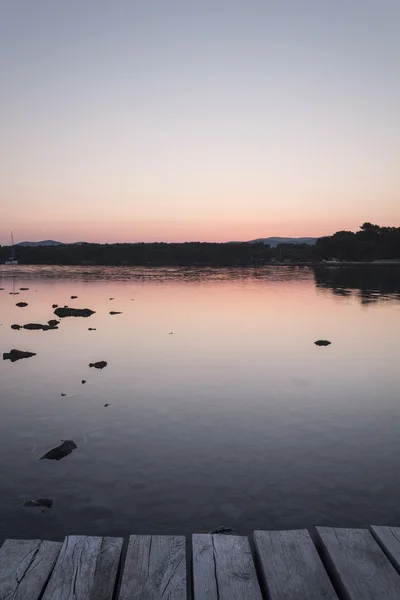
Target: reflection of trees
[369,284]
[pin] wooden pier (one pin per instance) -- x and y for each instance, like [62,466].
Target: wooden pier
[349,564]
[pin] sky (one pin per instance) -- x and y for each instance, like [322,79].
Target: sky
[211,120]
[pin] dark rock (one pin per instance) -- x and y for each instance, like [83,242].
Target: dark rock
[53,323]
[17,327]
[33,326]
[63,394]
[14,293]
[21,304]
[73,297]
[111,298]
[105,406]
[14,355]
[222,530]
[92,329]
[39,503]
[60,451]
[99,365]
[171,333]
[37,326]
[83,380]
[322,343]
[54,305]
[73,312]
[115,312]
[23,289]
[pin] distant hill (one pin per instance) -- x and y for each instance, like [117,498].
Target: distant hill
[43,243]
[274,241]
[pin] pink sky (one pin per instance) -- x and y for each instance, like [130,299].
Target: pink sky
[129,123]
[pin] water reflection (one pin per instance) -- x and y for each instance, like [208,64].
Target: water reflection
[237,419]
[368,284]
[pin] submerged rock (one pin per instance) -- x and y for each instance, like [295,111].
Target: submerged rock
[39,503]
[14,355]
[15,326]
[98,365]
[115,312]
[73,312]
[92,329]
[322,343]
[73,297]
[54,305]
[21,304]
[111,298]
[222,530]
[60,451]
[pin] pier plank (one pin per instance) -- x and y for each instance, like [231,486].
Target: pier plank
[358,565]
[223,568]
[155,568]
[389,540]
[291,567]
[25,566]
[107,568]
[74,572]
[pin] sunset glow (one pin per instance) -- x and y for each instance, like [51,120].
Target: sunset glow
[154,121]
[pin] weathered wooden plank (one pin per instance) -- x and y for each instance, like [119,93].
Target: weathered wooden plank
[106,569]
[357,564]
[223,568]
[155,568]
[389,540]
[291,567]
[25,566]
[74,572]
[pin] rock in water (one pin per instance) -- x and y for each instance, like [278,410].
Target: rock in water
[62,394]
[17,327]
[105,406]
[98,365]
[92,329]
[34,326]
[73,312]
[21,304]
[322,343]
[222,530]
[73,297]
[60,451]
[83,380]
[115,312]
[53,323]
[14,355]
[23,289]
[39,503]
[54,305]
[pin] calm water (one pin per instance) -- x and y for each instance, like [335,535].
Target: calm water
[236,419]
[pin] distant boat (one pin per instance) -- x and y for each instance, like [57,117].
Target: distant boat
[12,260]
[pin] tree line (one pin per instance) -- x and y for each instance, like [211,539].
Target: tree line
[371,242]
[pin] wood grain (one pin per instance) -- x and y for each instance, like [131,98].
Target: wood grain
[25,566]
[74,572]
[223,568]
[291,567]
[359,567]
[155,568]
[389,540]
[107,569]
